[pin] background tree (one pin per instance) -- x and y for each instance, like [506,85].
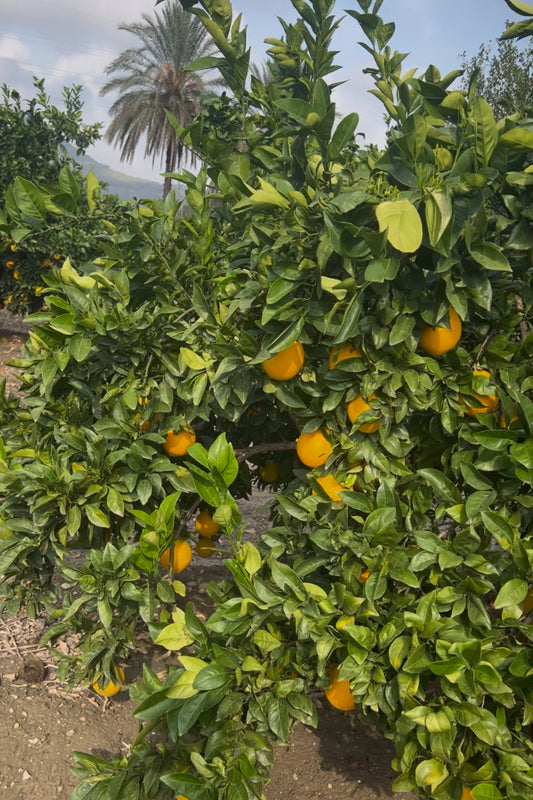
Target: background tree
[505,77]
[31,132]
[152,79]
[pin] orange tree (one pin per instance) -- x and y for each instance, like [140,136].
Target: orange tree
[40,224]
[32,135]
[363,320]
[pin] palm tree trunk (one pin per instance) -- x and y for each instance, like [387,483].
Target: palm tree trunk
[169,166]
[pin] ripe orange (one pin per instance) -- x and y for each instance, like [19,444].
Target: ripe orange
[467,794]
[182,556]
[110,688]
[313,449]
[341,353]
[487,402]
[269,471]
[356,407]
[205,547]
[504,423]
[437,341]
[177,444]
[528,602]
[338,693]
[181,797]
[332,487]
[285,364]
[365,575]
[204,524]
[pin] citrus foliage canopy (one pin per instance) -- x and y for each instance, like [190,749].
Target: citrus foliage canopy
[411,583]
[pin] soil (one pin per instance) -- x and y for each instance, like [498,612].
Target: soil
[41,723]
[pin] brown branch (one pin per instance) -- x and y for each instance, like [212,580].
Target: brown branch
[484,343]
[524,328]
[267,447]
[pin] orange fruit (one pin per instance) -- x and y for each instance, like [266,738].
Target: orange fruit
[365,575]
[342,353]
[181,797]
[338,693]
[285,364]
[528,602]
[356,407]
[467,794]
[110,688]
[177,444]
[504,423]
[331,487]
[269,471]
[204,524]
[313,449]
[437,341]
[205,547]
[487,402]
[181,558]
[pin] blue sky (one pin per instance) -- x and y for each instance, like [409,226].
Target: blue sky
[68,42]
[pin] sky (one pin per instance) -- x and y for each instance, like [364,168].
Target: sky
[69,42]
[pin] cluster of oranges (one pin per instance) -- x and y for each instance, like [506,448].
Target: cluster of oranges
[181,550]
[314,448]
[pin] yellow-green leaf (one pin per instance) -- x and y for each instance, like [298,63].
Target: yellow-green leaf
[402,222]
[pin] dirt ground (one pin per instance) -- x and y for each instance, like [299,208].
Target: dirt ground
[41,723]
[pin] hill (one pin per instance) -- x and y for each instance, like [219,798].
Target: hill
[125,186]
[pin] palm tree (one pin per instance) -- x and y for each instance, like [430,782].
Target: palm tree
[153,80]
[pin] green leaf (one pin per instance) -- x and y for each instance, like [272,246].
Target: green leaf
[477,501]
[487,791]
[431,772]
[29,200]
[265,641]
[382,269]
[96,516]
[264,197]
[350,320]
[176,635]
[295,108]
[485,128]
[80,347]
[441,484]
[211,677]
[518,137]
[490,256]
[252,558]
[93,185]
[192,359]
[526,11]
[222,458]
[343,134]
[438,209]
[512,593]
[402,329]
[115,502]
[403,224]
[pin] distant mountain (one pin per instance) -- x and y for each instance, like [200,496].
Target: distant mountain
[125,186]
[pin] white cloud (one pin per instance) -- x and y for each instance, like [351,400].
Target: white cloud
[13,48]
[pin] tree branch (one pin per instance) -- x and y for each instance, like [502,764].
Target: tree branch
[267,447]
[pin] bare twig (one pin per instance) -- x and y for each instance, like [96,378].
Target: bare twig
[267,447]
[524,327]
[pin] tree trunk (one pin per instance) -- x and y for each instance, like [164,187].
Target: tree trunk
[169,166]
